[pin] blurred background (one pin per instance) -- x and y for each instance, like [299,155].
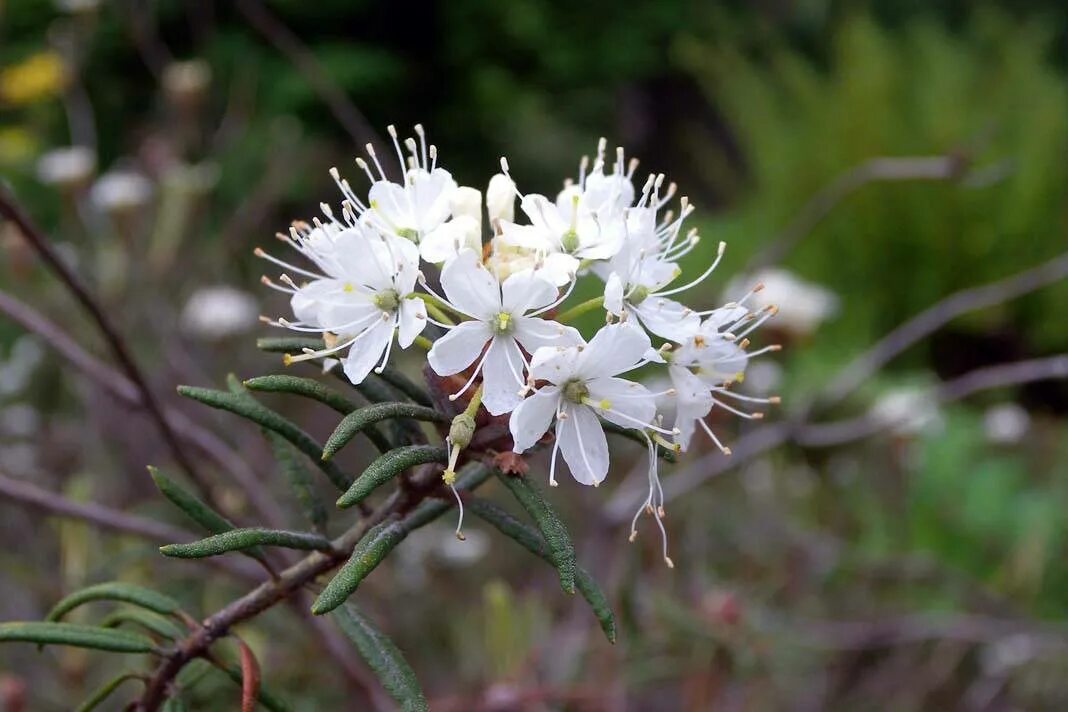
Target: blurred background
[891,537]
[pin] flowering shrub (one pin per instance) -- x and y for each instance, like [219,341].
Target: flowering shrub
[506,374]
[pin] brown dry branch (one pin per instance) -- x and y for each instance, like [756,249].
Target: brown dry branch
[118,386]
[115,342]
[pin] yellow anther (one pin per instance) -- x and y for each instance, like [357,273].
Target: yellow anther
[347,287]
[605,404]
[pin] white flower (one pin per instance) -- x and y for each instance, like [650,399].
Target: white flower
[504,317]
[120,190]
[1006,423]
[908,410]
[217,312]
[802,305]
[584,384]
[706,365]
[587,220]
[67,167]
[500,199]
[463,231]
[363,296]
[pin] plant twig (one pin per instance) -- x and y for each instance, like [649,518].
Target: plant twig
[115,342]
[122,388]
[873,170]
[941,313]
[346,113]
[106,518]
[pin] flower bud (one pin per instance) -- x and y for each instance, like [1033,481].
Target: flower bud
[466,201]
[500,198]
[186,83]
[67,168]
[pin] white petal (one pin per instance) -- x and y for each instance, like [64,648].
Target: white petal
[367,352]
[308,301]
[526,291]
[613,295]
[668,318]
[528,236]
[391,205]
[459,348]
[412,321]
[693,401]
[558,268]
[614,349]
[545,217]
[532,418]
[445,242]
[583,445]
[502,376]
[533,333]
[627,397]
[471,287]
[555,364]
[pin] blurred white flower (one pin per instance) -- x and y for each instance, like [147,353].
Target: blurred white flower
[186,81]
[802,305]
[75,7]
[120,190]
[763,376]
[1006,423]
[217,312]
[66,167]
[908,411]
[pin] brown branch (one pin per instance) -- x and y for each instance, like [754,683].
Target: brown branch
[941,313]
[115,342]
[287,584]
[873,170]
[123,389]
[346,113]
[52,503]
[981,379]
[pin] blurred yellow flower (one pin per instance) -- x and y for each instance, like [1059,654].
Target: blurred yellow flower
[17,145]
[39,76]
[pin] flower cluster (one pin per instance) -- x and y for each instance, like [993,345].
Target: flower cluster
[495,315]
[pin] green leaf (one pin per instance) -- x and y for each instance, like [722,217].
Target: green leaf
[368,554]
[383,657]
[533,542]
[406,386]
[300,483]
[550,525]
[115,591]
[357,421]
[388,466]
[79,636]
[289,344]
[194,508]
[240,539]
[248,407]
[634,436]
[307,387]
[104,691]
[151,622]
[173,704]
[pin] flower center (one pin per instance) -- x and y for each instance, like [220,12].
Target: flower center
[569,241]
[638,295]
[387,300]
[503,323]
[576,391]
[409,233]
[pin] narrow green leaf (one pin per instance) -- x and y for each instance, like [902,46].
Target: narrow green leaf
[264,696]
[533,542]
[79,636]
[105,690]
[634,436]
[194,508]
[368,554]
[151,622]
[289,344]
[115,591]
[292,466]
[240,539]
[383,657]
[355,422]
[405,385]
[173,704]
[388,466]
[550,525]
[307,387]
[248,407]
